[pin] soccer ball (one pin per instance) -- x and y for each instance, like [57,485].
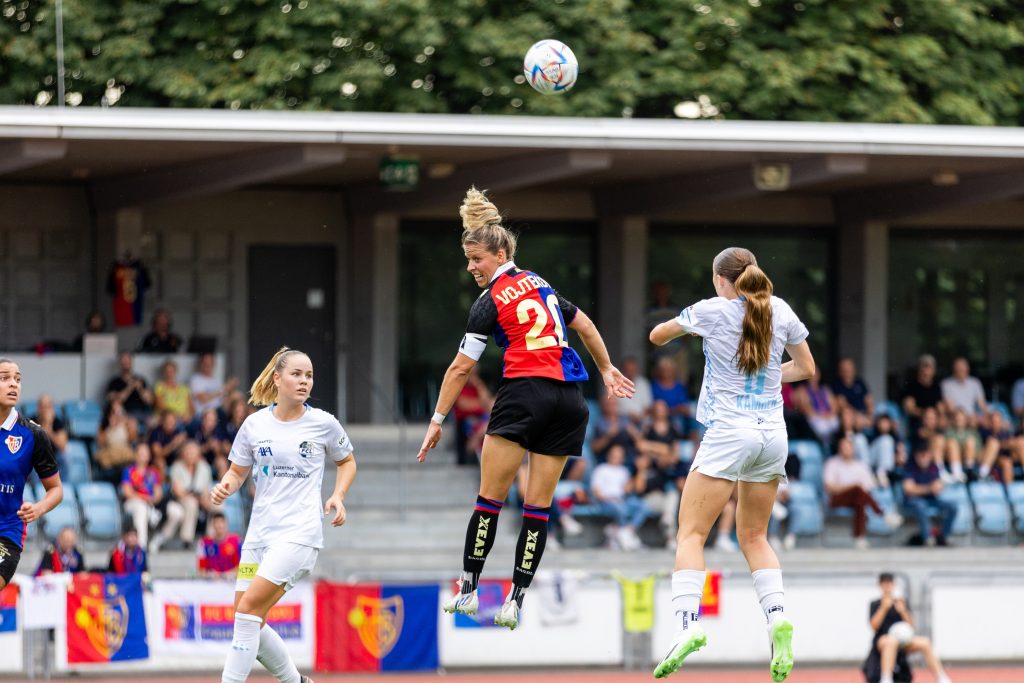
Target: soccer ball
[902,631]
[550,67]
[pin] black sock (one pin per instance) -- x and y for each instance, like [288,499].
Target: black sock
[483,526]
[529,549]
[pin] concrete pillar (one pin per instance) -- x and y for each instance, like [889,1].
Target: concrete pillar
[863,304]
[622,283]
[372,352]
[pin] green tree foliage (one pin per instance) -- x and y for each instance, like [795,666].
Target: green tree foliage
[934,61]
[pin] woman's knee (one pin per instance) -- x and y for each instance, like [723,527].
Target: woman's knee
[919,644]
[747,536]
[889,643]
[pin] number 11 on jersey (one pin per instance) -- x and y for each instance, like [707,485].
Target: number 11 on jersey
[755,383]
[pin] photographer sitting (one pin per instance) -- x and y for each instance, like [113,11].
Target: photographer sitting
[887,661]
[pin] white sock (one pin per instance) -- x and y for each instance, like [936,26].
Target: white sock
[768,588]
[244,645]
[885,679]
[273,655]
[983,471]
[958,469]
[687,589]
[941,677]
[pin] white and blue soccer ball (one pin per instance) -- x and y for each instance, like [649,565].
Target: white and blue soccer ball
[903,632]
[550,67]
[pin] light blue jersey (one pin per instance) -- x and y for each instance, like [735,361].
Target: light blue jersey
[728,397]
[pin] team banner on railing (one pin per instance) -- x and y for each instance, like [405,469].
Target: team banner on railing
[9,609]
[105,619]
[196,618]
[369,627]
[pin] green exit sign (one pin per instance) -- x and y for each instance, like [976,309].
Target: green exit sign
[399,174]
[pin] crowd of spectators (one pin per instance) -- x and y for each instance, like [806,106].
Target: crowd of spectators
[160,447]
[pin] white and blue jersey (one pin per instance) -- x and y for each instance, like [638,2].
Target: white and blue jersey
[24,446]
[729,397]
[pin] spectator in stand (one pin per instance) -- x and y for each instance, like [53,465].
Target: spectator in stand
[218,554]
[208,392]
[165,439]
[888,454]
[964,392]
[472,408]
[172,396]
[62,556]
[235,413]
[851,391]
[115,442]
[214,449]
[848,483]
[1017,402]
[639,407]
[1002,447]
[191,480]
[612,429]
[963,444]
[921,488]
[96,323]
[888,656]
[659,473]
[793,402]
[160,338]
[849,428]
[612,488]
[667,387]
[819,406]
[128,556]
[930,436]
[662,308]
[47,418]
[142,491]
[922,392]
[131,390]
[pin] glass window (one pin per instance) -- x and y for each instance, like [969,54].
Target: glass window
[955,293]
[796,260]
[437,293]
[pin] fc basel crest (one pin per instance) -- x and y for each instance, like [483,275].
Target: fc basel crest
[378,622]
[13,443]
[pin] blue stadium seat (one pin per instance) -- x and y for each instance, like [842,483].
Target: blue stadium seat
[963,523]
[29,408]
[101,511]
[235,515]
[986,491]
[83,418]
[805,514]
[812,460]
[686,450]
[886,500]
[993,518]
[65,514]
[77,466]
[1015,492]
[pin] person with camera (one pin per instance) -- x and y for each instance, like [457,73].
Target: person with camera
[895,638]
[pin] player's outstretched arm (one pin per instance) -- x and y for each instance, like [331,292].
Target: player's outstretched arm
[30,512]
[617,384]
[802,365]
[665,332]
[229,483]
[454,380]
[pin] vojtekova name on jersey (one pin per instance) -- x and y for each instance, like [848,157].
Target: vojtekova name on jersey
[524,286]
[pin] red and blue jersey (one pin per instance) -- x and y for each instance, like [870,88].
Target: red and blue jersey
[219,556]
[143,481]
[528,320]
[24,446]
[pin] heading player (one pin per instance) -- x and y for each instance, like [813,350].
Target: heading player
[288,444]
[24,447]
[745,331]
[539,406]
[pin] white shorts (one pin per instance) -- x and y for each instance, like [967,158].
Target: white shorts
[755,455]
[282,564]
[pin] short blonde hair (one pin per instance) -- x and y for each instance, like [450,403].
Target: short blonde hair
[263,391]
